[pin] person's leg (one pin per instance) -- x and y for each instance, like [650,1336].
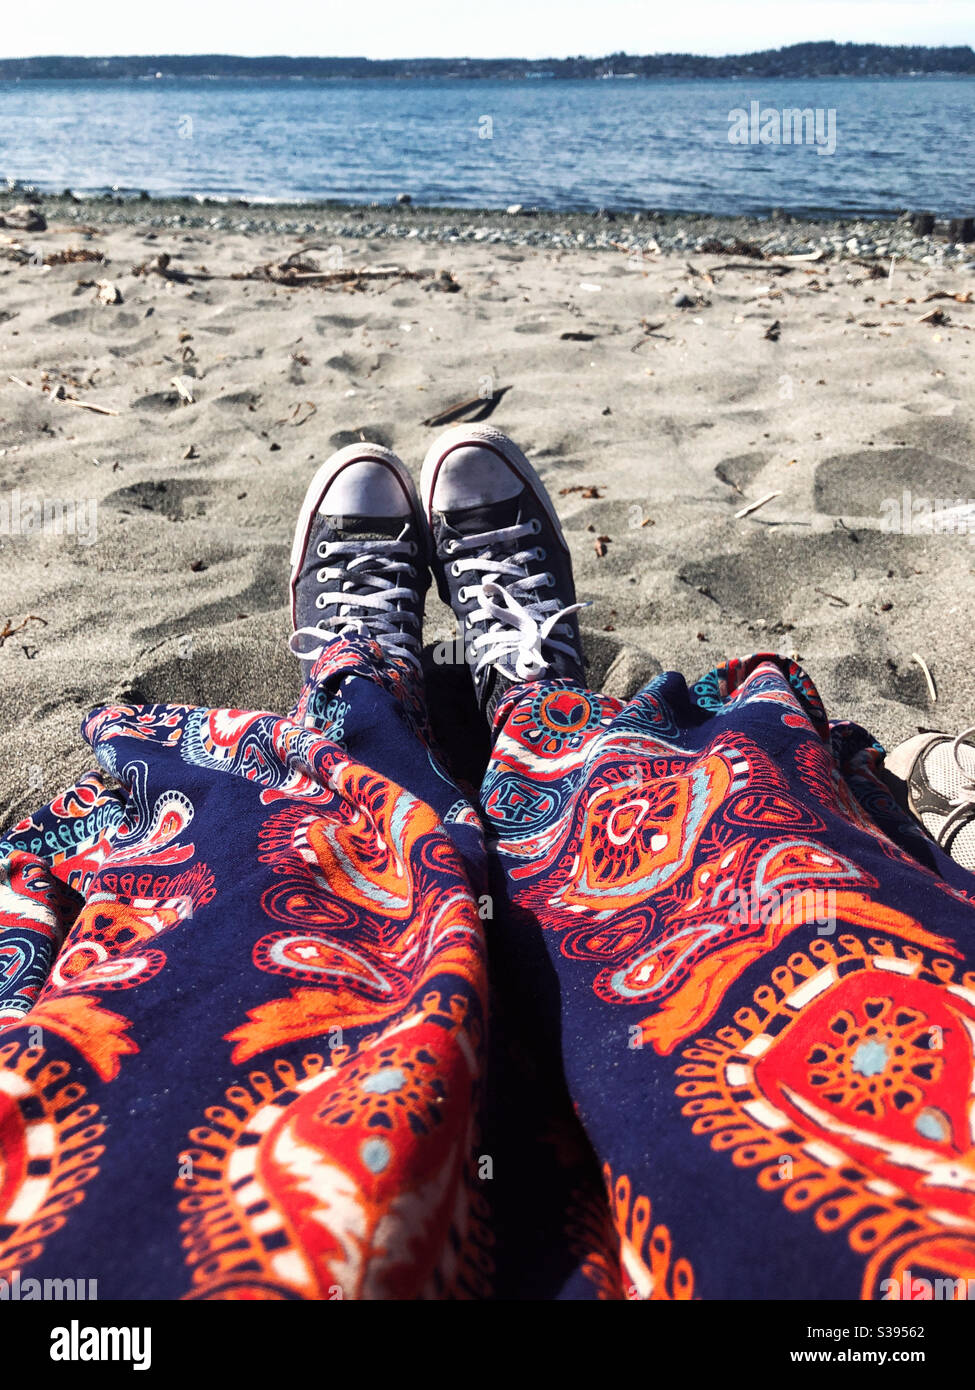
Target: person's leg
[502,564]
[256,1066]
[359,571]
[766,1003]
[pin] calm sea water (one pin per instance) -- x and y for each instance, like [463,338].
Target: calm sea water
[586,144]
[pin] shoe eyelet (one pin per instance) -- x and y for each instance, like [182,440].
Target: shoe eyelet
[455,570]
[413,548]
[321,601]
[536,526]
[322,551]
[549,581]
[450,547]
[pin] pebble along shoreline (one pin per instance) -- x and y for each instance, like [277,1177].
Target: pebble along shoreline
[647,233]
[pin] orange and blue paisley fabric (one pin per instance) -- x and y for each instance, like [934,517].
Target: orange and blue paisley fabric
[698,1024]
[765,979]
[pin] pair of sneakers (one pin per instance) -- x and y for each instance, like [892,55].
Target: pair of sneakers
[483,523]
[366,543]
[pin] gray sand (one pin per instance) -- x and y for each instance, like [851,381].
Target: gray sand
[182,596]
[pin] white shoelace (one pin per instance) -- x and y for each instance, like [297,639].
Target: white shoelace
[365,589]
[966,796]
[521,622]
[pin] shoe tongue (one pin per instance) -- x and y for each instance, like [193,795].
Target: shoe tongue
[366,528]
[491,516]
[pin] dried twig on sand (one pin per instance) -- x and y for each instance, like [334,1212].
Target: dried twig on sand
[477,408]
[962,297]
[9,631]
[767,268]
[89,405]
[932,688]
[649,331]
[14,250]
[754,506]
[310,409]
[834,599]
[60,394]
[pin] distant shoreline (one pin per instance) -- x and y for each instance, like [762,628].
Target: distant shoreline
[933,75]
[811,61]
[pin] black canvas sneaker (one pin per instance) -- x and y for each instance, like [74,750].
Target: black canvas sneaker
[359,560]
[939,774]
[501,562]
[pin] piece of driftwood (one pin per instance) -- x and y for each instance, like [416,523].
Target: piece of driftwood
[295,270]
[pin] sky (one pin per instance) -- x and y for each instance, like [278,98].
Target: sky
[470,28]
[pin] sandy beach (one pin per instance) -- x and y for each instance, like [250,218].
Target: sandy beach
[173,415]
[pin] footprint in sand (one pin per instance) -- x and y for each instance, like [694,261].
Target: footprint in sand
[96,320]
[239,400]
[129,349]
[348,365]
[858,484]
[326,323]
[375,434]
[779,574]
[183,500]
[741,471]
[158,402]
[257,584]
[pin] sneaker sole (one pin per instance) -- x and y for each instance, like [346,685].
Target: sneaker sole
[326,475]
[483,437]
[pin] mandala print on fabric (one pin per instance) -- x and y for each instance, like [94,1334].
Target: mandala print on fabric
[849,1086]
[108,947]
[622,1252]
[34,906]
[682,870]
[347,1177]
[376,905]
[49,1151]
[73,834]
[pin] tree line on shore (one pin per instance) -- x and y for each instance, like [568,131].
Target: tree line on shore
[825,59]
